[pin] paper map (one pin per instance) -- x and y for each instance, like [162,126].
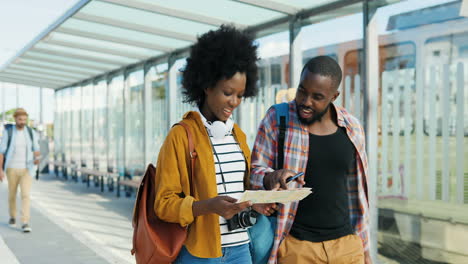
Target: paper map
[285,196]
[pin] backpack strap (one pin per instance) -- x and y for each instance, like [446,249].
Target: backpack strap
[193,154]
[282,119]
[9,129]
[30,132]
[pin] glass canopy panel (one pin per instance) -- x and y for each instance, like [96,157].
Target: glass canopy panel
[280,28]
[65,68]
[302,4]
[39,76]
[112,31]
[16,78]
[144,18]
[104,44]
[123,33]
[122,60]
[48,71]
[334,14]
[64,60]
[244,14]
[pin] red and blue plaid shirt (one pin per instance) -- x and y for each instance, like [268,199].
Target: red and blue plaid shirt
[296,151]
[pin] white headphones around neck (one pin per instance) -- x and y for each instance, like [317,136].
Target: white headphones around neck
[219,129]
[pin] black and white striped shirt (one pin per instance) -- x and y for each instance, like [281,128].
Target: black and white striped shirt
[230,168]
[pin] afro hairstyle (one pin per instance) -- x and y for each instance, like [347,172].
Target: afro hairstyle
[218,55]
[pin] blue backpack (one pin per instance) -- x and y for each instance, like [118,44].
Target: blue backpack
[9,130]
[262,234]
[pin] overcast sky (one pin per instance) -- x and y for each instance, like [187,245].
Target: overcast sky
[22,20]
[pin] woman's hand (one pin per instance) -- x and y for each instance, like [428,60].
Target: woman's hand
[227,207]
[265,209]
[224,206]
[367,258]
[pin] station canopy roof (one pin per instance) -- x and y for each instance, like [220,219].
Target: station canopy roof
[96,37]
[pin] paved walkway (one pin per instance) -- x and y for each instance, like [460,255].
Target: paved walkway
[71,224]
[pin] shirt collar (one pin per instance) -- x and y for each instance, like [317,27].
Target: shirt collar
[339,115]
[203,118]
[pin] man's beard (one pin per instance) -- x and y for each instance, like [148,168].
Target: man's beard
[20,126]
[316,117]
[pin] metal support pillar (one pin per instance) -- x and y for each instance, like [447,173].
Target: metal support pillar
[124,111]
[464,8]
[2,90]
[41,107]
[108,127]
[148,114]
[17,95]
[370,80]
[295,52]
[172,92]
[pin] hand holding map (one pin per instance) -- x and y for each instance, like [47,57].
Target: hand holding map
[284,196]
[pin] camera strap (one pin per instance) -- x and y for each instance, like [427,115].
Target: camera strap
[220,169]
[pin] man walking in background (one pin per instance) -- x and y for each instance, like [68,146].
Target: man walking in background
[19,152]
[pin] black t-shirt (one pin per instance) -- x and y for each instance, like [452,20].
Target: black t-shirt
[324,215]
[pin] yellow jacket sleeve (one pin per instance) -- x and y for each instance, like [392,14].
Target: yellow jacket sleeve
[173,202]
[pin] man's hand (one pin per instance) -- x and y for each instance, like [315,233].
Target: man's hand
[37,156]
[367,258]
[265,209]
[2,175]
[277,179]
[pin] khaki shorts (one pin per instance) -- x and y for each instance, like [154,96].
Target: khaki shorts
[344,250]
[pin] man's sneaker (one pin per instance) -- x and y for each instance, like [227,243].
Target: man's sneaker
[12,222]
[26,228]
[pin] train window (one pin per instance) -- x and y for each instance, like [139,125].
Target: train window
[396,56]
[352,62]
[307,57]
[447,49]
[275,74]
[463,51]
[262,76]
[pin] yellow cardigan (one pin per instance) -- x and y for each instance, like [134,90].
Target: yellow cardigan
[172,179]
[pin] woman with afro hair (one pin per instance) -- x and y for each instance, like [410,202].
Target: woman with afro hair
[221,70]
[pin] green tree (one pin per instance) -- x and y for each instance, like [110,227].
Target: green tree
[8,115]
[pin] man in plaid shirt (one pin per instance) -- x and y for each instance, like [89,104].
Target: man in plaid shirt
[328,144]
